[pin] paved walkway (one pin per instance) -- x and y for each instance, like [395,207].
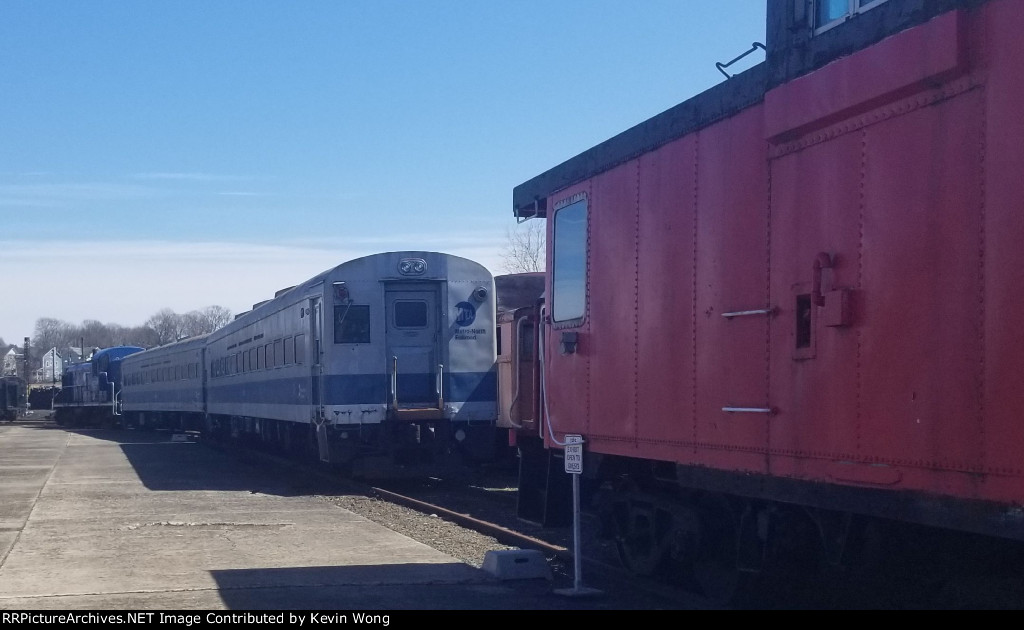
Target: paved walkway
[120,520]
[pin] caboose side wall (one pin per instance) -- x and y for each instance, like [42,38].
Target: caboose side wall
[656,360]
[925,249]
[902,163]
[905,250]
[997,38]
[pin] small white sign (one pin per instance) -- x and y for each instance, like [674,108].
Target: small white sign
[574,454]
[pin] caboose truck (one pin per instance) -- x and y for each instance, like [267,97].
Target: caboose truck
[785,314]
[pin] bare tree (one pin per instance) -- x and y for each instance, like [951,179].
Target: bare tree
[167,325]
[216,317]
[96,334]
[203,321]
[192,324]
[53,333]
[163,327]
[142,336]
[525,248]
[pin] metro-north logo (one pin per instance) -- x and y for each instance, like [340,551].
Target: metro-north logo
[467,314]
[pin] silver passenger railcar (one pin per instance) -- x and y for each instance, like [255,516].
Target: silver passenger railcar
[165,387]
[384,365]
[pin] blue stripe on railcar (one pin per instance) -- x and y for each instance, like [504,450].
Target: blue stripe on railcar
[170,396]
[351,389]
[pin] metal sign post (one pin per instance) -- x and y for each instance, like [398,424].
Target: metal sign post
[574,466]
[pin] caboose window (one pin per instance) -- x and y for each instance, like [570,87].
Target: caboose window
[569,270]
[410,314]
[526,344]
[351,324]
[830,13]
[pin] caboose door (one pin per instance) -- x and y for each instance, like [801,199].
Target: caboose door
[412,345]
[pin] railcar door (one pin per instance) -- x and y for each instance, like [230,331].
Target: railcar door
[316,377]
[412,339]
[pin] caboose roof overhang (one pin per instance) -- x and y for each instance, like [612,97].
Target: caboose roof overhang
[792,50]
[721,101]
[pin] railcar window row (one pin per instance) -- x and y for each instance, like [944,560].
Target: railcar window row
[181,372]
[277,353]
[831,13]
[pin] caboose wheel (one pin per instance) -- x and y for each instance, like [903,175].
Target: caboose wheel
[642,538]
[717,571]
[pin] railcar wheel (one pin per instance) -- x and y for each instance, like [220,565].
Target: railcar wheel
[716,570]
[642,538]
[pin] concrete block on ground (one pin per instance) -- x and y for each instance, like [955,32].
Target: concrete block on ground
[517,564]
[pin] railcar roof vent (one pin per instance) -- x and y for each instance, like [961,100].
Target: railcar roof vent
[241,314]
[283,291]
[259,304]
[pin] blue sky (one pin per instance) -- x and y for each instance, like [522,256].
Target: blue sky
[187,153]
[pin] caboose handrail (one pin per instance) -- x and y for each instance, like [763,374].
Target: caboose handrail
[722,66]
[759,311]
[544,322]
[515,371]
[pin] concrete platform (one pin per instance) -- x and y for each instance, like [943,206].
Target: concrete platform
[133,521]
[120,520]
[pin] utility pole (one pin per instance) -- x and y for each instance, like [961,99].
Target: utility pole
[26,361]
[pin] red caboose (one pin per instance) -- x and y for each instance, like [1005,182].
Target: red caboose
[792,304]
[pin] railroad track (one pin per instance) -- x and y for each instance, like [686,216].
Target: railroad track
[474,506]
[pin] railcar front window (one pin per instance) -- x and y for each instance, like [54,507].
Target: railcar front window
[570,262]
[351,324]
[411,314]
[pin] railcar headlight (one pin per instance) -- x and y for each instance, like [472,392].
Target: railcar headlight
[480,294]
[412,266]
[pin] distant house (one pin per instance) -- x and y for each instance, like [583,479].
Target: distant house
[71,356]
[12,362]
[52,368]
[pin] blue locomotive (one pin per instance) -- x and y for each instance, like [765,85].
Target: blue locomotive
[90,391]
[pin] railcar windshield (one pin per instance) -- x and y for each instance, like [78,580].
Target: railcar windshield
[351,324]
